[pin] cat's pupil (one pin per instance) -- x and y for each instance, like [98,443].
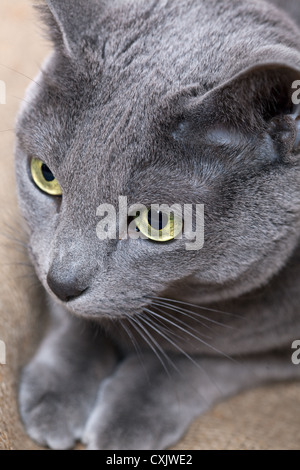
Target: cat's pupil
[47,174]
[158,220]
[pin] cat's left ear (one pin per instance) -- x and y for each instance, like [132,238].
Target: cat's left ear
[70,23]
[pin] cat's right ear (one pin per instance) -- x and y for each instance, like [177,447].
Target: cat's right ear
[70,23]
[263,100]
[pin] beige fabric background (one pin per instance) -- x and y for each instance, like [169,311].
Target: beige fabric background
[267,418]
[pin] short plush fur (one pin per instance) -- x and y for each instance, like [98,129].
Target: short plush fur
[186,102]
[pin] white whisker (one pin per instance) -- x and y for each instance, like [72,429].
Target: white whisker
[190,312]
[20,73]
[184,353]
[138,327]
[208,309]
[164,327]
[182,322]
[195,337]
[135,344]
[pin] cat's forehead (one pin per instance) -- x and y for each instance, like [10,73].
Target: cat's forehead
[103,138]
[115,95]
[110,105]
[186,40]
[140,48]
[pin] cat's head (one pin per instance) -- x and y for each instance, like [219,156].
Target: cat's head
[182,102]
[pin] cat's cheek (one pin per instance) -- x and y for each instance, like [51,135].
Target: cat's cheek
[38,264]
[39,245]
[39,210]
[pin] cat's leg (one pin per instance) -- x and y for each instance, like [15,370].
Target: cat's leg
[138,410]
[59,386]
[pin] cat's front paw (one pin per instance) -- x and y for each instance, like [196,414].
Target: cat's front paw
[52,410]
[136,410]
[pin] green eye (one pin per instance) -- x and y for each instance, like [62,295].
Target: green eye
[159,226]
[44,178]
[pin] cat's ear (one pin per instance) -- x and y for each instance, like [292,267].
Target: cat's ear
[268,99]
[262,99]
[70,23]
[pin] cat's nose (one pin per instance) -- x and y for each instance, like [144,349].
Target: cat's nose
[66,289]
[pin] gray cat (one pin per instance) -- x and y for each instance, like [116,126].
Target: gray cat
[186,102]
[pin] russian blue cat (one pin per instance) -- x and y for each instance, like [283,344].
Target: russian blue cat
[190,102]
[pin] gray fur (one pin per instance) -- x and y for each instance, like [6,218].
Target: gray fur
[130,104]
